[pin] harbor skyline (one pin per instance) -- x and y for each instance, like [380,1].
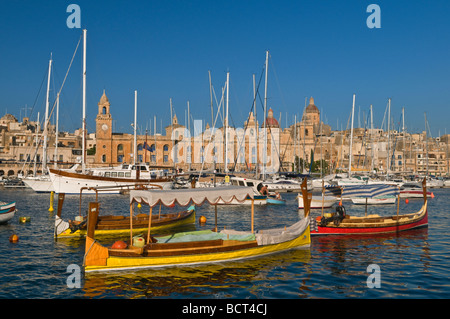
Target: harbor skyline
[165,51]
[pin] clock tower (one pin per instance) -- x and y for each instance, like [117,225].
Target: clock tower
[103,131]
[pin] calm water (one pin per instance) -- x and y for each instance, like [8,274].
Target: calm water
[412,264]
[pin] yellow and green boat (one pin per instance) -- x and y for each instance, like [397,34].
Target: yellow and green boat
[191,248]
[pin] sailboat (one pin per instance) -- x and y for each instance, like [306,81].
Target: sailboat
[71,182]
[42,183]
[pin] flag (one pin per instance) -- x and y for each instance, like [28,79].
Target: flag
[148,148]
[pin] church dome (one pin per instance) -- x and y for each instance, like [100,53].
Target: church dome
[311,108]
[270,120]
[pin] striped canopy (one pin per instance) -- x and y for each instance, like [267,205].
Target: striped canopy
[370,191]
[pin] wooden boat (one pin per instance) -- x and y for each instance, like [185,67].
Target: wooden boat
[193,247]
[374,201]
[119,224]
[7,211]
[340,223]
[317,202]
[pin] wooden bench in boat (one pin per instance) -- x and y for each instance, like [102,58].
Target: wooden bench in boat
[183,248]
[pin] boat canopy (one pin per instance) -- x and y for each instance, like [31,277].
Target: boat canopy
[370,191]
[198,196]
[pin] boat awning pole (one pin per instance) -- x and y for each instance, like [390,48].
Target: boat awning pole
[398,201]
[131,223]
[323,198]
[253,212]
[215,215]
[150,223]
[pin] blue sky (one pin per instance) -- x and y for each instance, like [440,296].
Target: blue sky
[164,49]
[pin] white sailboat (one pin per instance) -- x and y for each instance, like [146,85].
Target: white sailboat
[112,180]
[42,183]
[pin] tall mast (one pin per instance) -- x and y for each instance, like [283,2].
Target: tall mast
[83,147]
[44,152]
[189,154]
[226,123]
[351,141]
[265,116]
[211,98]
[426,140]
[135,128]
[57,132]
[256,125]
[389,139]
[371,135]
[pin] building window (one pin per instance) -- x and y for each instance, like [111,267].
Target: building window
[140,147]
[166,158]
[120,148]
[120,158]
[103,158]
[140,158]
[166,148]
[153,158]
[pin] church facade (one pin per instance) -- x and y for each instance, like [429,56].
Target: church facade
[210,149]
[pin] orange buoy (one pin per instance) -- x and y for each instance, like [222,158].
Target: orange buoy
[202,219]
[432,195]
[119,245]
[406,201]
[14,238]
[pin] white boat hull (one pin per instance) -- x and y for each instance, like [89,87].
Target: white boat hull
[73,185]
[316,202]
[374,201]
[41,184]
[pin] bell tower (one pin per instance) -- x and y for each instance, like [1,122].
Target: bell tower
[103,131]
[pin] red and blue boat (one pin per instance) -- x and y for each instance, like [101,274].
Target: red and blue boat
[339,223]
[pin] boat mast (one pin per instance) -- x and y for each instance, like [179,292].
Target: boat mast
[265,116]
[256,126]
[57,132]
[389,140]
[44,152]
[351,141]
[371,135]
[135,128]
[189,154]
[226,123]
[83,162]
[426,140]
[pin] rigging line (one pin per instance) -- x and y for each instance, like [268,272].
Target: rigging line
[64,81]
[277,81]
[39,92]
[248,119]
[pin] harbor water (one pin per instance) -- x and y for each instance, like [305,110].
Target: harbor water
[411,264]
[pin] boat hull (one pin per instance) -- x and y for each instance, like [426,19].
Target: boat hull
[157,225]
[39,185]
[7,212]
[374,201]
[373,225]
[275,201]
[71,183]
[118,263]
[316,202]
